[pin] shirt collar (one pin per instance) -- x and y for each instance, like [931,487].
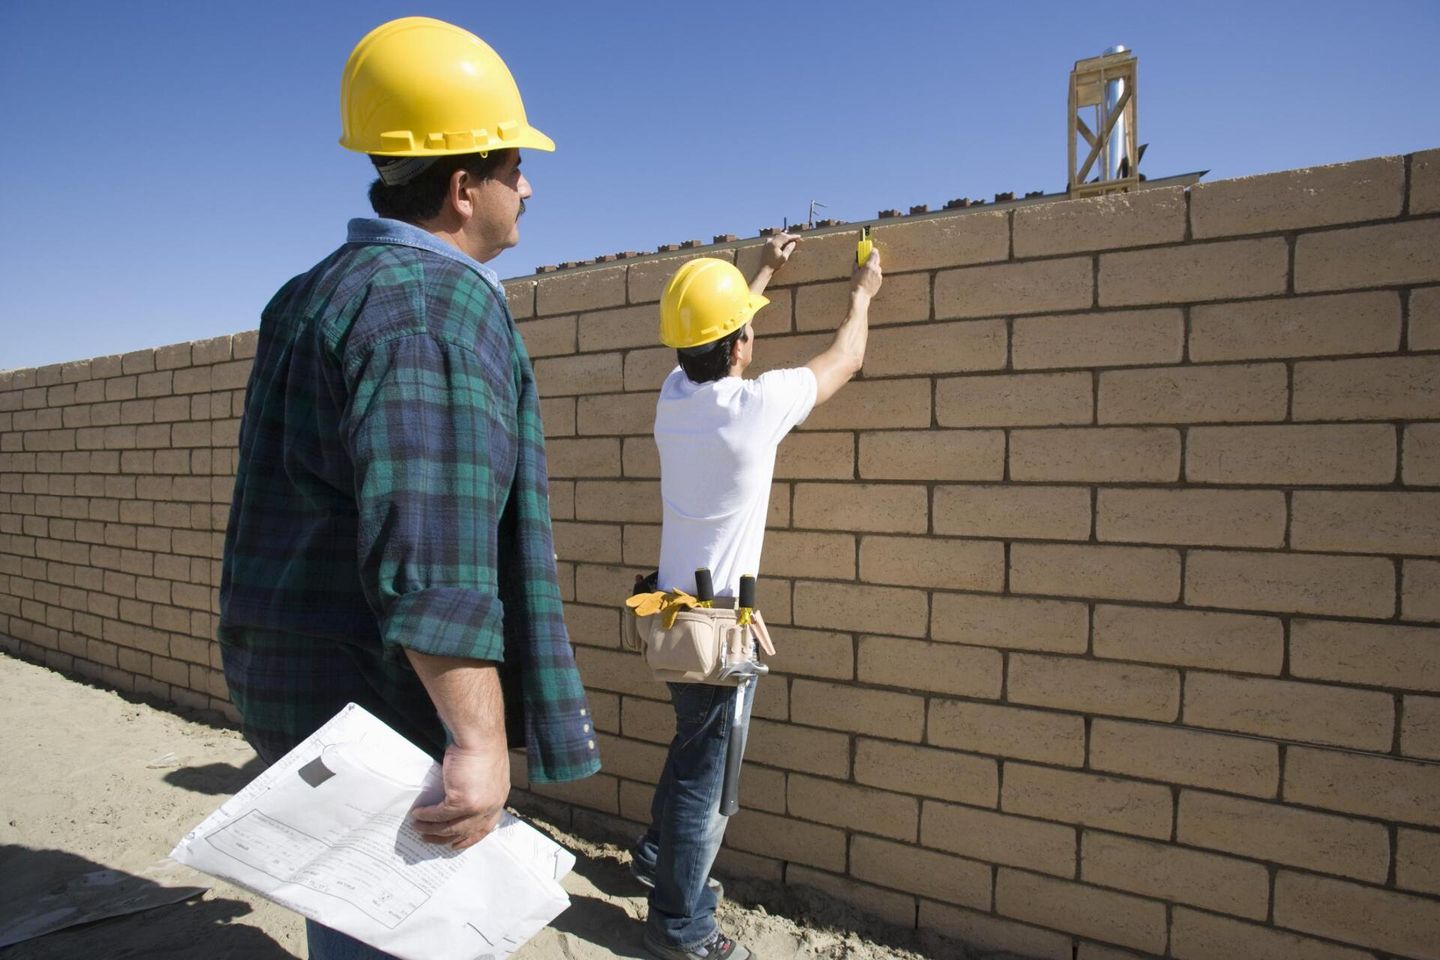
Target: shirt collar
[400,233]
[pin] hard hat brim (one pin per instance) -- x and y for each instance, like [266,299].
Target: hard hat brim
[753,304]
[528,138]
[752,307]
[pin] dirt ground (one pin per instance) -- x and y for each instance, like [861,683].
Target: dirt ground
[93,781]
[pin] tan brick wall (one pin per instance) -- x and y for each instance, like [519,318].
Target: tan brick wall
[1106,599]
[115,479]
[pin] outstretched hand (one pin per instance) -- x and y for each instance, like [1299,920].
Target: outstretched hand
[477,783]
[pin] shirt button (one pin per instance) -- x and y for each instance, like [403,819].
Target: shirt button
[590,744]
[585,728]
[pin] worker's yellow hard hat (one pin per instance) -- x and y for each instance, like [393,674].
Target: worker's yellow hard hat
[706,299]
[418,87]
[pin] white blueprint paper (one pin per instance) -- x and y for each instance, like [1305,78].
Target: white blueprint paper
[324,833]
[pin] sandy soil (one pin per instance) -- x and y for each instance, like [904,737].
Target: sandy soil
[92,780]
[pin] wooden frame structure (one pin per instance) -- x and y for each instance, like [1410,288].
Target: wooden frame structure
[1087,89]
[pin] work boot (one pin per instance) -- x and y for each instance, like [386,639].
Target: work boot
[644,875]
[718,947]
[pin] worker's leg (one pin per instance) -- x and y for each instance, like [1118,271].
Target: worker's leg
[682,905]
[646,852]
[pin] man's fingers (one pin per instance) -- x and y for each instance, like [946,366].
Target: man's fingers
[439,813]
[461,832]
[444,813]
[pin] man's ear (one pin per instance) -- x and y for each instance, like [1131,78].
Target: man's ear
[458,196]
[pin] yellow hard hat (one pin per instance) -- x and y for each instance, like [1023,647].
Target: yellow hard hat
[418,87]
[706,299]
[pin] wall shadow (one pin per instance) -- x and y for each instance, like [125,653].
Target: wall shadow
[33,879]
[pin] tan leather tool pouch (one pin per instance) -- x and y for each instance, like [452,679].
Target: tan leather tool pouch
[695,647]
[698,646]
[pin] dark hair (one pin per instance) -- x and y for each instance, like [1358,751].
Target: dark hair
[423,197]
[712,364]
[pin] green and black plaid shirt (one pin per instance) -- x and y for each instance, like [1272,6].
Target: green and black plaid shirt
[391,493]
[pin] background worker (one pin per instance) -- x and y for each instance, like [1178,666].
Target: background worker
[717,434]
[389,541]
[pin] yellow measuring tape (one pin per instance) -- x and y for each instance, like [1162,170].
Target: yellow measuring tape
[863,248]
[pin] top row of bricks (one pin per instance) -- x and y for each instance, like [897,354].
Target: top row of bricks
[1358,192]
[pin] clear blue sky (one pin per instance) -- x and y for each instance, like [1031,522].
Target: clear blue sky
[167,165]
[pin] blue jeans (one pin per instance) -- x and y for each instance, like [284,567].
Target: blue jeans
[327,944]
[685,822]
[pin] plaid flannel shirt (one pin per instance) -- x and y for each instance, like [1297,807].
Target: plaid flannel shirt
[391,493]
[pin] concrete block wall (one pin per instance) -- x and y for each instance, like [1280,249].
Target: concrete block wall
[115,482]
[1107,601]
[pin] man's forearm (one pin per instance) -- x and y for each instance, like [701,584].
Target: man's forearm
[761,280]
[853,334]
[466,694]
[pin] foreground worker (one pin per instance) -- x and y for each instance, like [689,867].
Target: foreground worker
[389,541]
[717,434]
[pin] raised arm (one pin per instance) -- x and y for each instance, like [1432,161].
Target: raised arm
[844,357]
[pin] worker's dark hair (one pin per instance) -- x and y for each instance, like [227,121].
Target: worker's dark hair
[712,364]
[422,198]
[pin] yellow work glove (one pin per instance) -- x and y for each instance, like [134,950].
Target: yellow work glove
[668,604]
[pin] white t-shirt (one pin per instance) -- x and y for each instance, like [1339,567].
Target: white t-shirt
[717,445]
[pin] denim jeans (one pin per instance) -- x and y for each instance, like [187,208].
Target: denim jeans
[685,822]
[327,944]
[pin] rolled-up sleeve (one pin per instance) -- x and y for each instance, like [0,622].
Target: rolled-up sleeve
[427,448]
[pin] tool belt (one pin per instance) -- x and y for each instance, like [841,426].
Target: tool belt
[684,642]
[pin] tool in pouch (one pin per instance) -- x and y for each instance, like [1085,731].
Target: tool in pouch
[749,671]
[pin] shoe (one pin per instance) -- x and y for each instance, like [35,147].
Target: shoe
[718,947]
[647,879]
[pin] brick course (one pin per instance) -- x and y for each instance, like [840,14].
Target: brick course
[1302,838]
[1227,270]
[1223,884]
[1181,755]
[1385,254]
[1286,327]
[997,838]
[1107,339]
[1194,394]
[1089,911]
[1143,219]
[1341,193]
